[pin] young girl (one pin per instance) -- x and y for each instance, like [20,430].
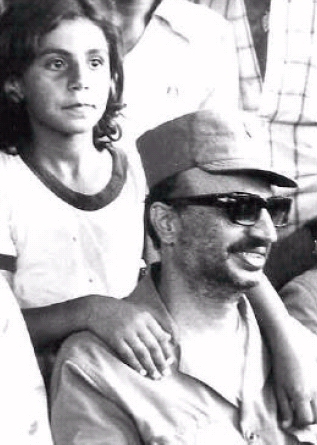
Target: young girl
[71,208]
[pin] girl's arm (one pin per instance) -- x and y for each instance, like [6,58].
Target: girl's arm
[134,334]
[294,355]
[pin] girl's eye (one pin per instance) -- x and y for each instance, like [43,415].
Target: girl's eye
[56,64]
[96,62]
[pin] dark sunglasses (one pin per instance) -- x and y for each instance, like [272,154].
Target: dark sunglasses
[242,208]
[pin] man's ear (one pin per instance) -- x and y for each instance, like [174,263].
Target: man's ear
[13,89]
[163,219]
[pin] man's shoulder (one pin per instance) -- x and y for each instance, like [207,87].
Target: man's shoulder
[85,357]
[85,350]
[85,363]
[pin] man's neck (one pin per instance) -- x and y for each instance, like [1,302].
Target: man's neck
[212,308]
[132,18]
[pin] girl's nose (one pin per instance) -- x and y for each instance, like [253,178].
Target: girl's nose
[76,85]
[77,79]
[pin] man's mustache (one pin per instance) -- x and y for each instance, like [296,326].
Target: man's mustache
[249,244]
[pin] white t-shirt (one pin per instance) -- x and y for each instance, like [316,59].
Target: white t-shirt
[57,248]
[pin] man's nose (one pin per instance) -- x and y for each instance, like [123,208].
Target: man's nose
[78,77]
[264,228]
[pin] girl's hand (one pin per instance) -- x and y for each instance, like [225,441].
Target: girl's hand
[295,376]
[133,334]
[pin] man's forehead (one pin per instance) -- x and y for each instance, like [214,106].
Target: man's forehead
[199,182]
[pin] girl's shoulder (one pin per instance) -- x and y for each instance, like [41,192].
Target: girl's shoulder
[10,166]
[8,159]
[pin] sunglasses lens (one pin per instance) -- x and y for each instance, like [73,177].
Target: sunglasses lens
[279,209]
[245,210]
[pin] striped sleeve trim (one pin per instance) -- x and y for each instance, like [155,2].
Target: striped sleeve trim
[8,262]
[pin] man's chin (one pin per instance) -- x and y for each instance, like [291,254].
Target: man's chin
[247,282]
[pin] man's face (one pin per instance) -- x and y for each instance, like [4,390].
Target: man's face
[211,248]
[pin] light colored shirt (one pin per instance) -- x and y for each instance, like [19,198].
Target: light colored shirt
[58,246]
[105,402]
[185,60]
[24,418]
[250,81]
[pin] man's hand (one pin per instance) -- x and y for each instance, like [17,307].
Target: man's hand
[133,334]
[295,375]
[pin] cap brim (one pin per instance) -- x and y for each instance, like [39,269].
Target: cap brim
[243,166]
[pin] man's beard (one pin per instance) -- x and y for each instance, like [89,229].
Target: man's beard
[203,263]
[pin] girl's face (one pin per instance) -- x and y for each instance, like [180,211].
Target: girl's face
[66,87]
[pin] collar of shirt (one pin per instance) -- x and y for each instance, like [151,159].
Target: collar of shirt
[209,367]
[239,374]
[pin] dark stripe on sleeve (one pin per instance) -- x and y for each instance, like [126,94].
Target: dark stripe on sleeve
[8,262]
